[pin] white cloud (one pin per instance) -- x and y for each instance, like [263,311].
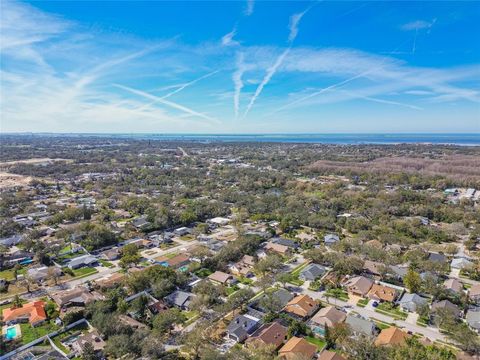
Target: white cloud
[249,8]
[418,25]
[227,39]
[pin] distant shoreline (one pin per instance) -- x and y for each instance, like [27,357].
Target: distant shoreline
[459,139]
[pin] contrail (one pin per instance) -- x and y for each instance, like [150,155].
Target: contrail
[415,41]
[166,102]
[382,101]
[270,72]
[178,89]
[293,27]
[237,81]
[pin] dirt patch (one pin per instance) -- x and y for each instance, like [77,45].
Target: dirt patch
[8,180]
[462,167]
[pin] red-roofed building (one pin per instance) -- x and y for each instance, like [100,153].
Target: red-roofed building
[33,312]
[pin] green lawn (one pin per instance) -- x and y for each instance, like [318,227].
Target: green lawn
[363,302]
[188,237]
[338,294]
[9,274]
[30,333]
[105,263]
[319,343]
[231,289]
[203,273]
[298,269]
[245,280]
[391,310]
[85,271]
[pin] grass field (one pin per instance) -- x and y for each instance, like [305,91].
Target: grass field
[337,294]
[319,343]
[105,263]
[85,271]
[30,333]
[393,311]
[363,302]
[9,274]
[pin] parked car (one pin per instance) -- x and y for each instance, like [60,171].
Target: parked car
[375,304]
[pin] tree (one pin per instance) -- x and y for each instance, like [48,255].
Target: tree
[129,256]
[201,253]
[284,278]
[164,322]
[139,306]
[238,299]
[88,352]
[412,281]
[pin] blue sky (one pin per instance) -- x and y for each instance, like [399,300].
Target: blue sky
[240,66]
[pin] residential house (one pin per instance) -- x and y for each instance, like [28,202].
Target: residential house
[141,223]
[474,294]
[359,285]
[157,307]
[79,296]
[410,302]
[312,272]
[326,317]
[391,336]
[446,305]
[271,247]
[374,268]
[180,299]
[286,242]
[461,264]
[437,257]
[297,348]
[382,293]
[92,338]
[302,306]
[112,254]
[175,262]
[218,221]
[331,239]
[241,327]
[11,240]
[359,325]
[221,278]
[33,312]
[330,355]
[473,319]
[269,334]
[282,296]
[181,231]
[110,280]
[453,285]
[82,261]
[40,274]
[244,267]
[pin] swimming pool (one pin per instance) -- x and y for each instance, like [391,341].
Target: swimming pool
[11,333]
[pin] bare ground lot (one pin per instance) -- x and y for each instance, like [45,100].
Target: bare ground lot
[7,164]
[452,166]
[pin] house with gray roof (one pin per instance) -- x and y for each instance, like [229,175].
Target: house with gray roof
[461,263]
[473,319]
[360,326]
[242,326]
[410,302]
[331,239]
[312,272]
[447,305]
[11,240]
[285,242]
[437,257]
[180,299]
[81,261]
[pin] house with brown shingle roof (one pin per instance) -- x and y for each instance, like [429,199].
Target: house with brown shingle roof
[79,296]
[474,293]
[330,355]
[297,348]
[33,312]
[391,336]
[269,334]
[382,293]
[277,248]
[359,285]
[302,306]
[327,316]
[220,277]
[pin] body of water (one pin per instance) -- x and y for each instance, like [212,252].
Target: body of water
[472,139]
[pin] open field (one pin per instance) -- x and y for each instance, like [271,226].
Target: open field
[451,166]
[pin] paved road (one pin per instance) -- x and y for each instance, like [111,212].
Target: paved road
[368,312]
